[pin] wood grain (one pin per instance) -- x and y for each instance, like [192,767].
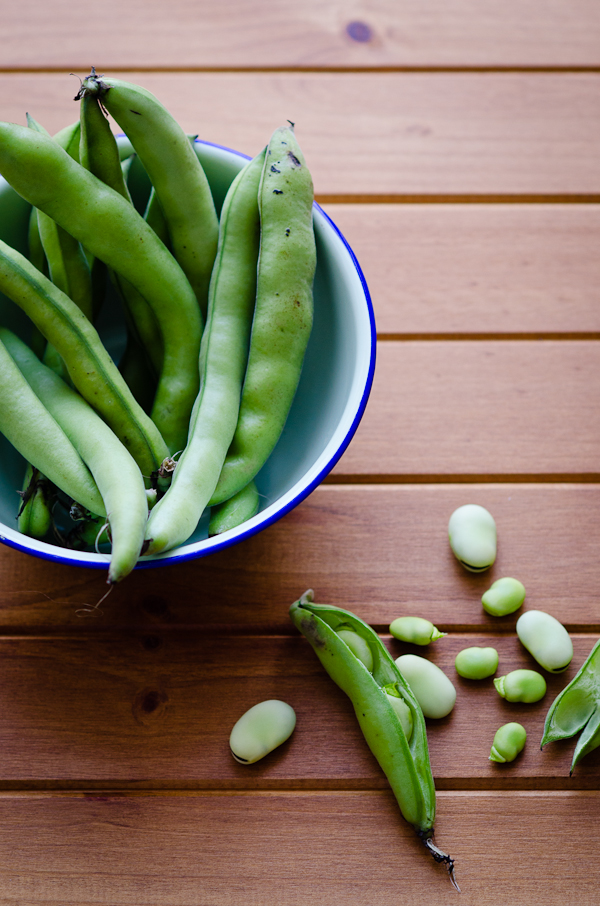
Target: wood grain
[471,270]
[366,34]
[378,134]
[320,849]
[380,550]
[156,712]
[480,409]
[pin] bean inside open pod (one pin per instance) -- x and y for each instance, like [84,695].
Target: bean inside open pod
[434,691]
[577,708]
[472,536]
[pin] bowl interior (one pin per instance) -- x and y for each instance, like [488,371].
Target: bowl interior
[333,390]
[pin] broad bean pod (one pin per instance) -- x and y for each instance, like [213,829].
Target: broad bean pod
[235,511]
[90,367]
[174,170]
[27,424]
[117,476]
[68,267]
[404,762]
[283,314]
[223,357]
[577,708]
[99,153]
[111,229]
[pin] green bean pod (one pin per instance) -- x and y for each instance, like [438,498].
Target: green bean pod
[112,230]
[223,357]
[283,314]
[90,367]
[577,708]
[405,763]
[35,515]
[233,512]
[99,153]
[67,264]
[27,424]
[174,170]
[118,478]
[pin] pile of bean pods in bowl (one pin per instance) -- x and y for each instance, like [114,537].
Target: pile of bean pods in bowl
[186,338]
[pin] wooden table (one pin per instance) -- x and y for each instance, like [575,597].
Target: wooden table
[457,147]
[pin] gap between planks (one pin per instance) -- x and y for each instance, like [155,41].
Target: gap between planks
[424,68]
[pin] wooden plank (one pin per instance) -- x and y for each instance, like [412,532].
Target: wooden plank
[383,33]
[379,134]
[381,550]
[480,409]
[477,269]
[320,849]
[118,712]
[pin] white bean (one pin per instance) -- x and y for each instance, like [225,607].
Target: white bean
[472,535]
[546,639]
[261,729]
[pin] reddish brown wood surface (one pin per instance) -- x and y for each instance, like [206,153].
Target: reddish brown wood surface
[548,536]
[235,34]
[378,134]
[478,270]
[456,145]
[172,850]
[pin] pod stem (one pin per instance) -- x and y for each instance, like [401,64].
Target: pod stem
[439,856]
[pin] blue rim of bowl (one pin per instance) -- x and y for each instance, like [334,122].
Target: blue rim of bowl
[223,542]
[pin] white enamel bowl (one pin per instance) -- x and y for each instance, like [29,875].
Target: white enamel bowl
[334,386]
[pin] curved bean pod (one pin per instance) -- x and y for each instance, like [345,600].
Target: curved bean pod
[174,170]
[90,367]
[27,424]
[68,267]
[117,476]
[283,314]
[99,153]
[405,762]
[577,708]
[223,356]
[111,229]
[235,511]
